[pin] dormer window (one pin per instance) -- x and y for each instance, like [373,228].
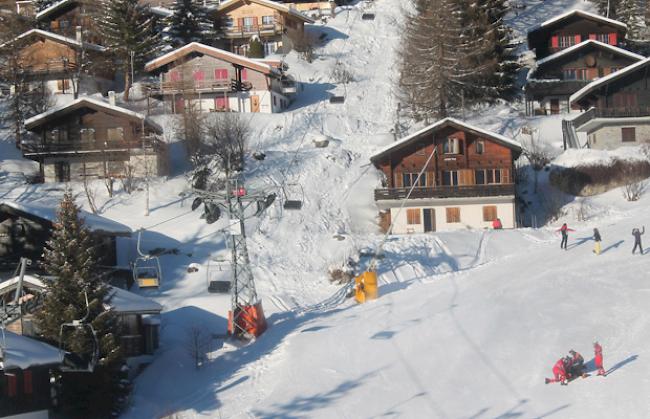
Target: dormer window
[451,146]
[480,147]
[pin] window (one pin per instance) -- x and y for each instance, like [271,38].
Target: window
[451,146]
[199,75]
[175,76]
[453,215]
[566,40]
[63,85]
[450,177]
[63,24]
[221,74]
[221,102]
[275,101]
[267,20]
[87,135]
[575,74]
[489,213]
[249,22]
[603,37]
[480,147]
[27,382]
[479,177]
[413,216]
[115,134]
[409,179]
[12,389]
[628,134]
[487,176]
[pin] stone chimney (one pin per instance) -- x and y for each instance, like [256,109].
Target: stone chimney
[111,98]
[79,32]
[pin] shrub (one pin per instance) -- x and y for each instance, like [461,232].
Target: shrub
[592,179]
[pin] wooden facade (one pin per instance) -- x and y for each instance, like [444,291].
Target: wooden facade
[267,20]
[92,138]
[558,76]
[25,390]
[572,28]
[72,19]
[469,170]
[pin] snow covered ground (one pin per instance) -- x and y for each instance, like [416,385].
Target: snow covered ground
[468,323]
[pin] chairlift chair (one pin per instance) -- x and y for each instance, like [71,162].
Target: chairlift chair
[74,362]
[294,195]
[147,272]
[337,99]
[368,16]
[215,283]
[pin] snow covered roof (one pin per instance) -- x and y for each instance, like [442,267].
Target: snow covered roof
[95,223]
[212,52]
[53,8]
[92,103]
[580,13]
[508,142]
[123,301]
[608,78]
[228,4]
[11,283]
[58,38]
[584,44]
[23,352]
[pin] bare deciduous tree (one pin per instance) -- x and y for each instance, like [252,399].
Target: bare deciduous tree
[304,43]
[88,189]
[633,191]
[537,154]
[128,178]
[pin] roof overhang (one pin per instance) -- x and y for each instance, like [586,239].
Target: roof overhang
[71,42]
[229,5]
[617,75]
[581,13]
[590,43]
[443,123]
[597,123]
[59,6]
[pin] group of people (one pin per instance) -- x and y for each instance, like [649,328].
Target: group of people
[573,366]
[636,233]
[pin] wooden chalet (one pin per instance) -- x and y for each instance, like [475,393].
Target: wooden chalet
[25,228]
[216,80]
[71,17]
[571,28]
[312,8]
[617,108]
[49,59]
[468,182]
[25,366]
[275,24]
[559,75]
[90,137]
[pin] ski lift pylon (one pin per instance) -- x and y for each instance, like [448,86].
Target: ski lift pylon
[147,272]
[71,361]
[294,195]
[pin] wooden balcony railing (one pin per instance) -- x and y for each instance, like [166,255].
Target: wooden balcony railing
[245,31]
[32,147]
[468,191]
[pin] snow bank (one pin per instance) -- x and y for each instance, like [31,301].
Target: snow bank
[591,157]
[123,301]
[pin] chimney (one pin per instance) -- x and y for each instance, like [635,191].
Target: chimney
[79,33]
[111,97]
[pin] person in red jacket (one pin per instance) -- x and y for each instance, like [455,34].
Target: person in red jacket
[565,235]
[559,373]
[598,358]
[496,224]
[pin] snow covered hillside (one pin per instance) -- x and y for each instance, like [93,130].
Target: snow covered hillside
[467,325]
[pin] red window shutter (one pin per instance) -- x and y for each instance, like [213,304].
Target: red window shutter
[199,75]
[240,22]
[221,74]
[244,74]
[256,22]
[27,382]
[12,389]
[592,36]
[612,39]
[577,38]
[555,42]
[221,102]
[175,76]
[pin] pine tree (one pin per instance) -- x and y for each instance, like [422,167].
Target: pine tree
[42,4]
[255,48]
[602,5]
[630,13]
[70,258]
[440,60]
[190,22]
[127,30]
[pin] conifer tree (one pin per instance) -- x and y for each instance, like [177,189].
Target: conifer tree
[630,13]
[71,260]
[127,30]
[190,22]
[255,48]
[42,4]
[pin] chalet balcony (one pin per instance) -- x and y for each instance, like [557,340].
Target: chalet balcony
[469,191]
[248,31]
[34,147]
[288,86]
[197,86]
[538,88]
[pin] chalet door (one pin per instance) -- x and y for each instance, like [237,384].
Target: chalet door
[555,106]
[255,103]
[62,171]
[429,215]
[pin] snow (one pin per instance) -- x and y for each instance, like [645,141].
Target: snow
[94,222]
[586,43]
[585,157]
[23,352]
[57,37]
[123,301]
[273,5]
[27,280]
[585,14]
[467,323]
[34,120]
[612,76]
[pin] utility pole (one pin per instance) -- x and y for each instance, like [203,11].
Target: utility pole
[246,317]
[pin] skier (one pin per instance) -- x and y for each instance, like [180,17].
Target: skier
[565,235]
[597,241]
[577,364]
[637,239]
[496,224]
[598,358]
[559,373]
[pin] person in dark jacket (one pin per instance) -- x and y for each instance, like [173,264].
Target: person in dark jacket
[577,364]
[637,239]
[597,241]
[565,235]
